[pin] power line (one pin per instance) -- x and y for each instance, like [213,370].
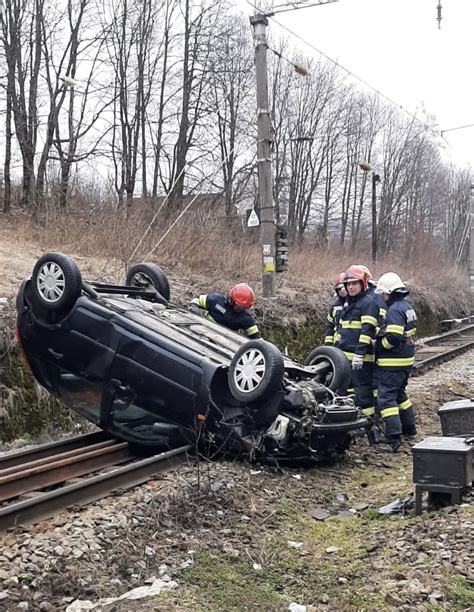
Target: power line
[295,6]
[352,74]
[460,127]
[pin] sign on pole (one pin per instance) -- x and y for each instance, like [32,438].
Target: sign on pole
[253,219]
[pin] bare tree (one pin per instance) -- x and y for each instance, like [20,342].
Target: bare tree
[134,61]
[21,38]
[198,31]
[228,98]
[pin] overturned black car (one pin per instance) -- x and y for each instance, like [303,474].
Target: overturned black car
[152,373]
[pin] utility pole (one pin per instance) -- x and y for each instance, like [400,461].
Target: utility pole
[471,244]
[375,180]
[366,167]
[264,163]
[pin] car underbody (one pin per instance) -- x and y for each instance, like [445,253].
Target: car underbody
[162,375]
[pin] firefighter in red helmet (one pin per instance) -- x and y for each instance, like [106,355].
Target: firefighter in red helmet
[231,310]
[332,319]
[356,333]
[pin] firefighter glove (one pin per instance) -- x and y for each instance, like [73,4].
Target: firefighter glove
[357,362]
[195,309]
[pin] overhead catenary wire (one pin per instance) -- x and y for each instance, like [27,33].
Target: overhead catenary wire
[437,132]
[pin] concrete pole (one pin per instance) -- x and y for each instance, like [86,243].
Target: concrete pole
[264,162]
[375,180]
[471,245]
[374,218]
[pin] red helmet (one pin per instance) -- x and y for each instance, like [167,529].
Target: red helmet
[366,270]
[339,281]
[358,273]
[242,295]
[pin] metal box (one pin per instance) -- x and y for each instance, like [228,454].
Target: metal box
[457,418]
[443,461]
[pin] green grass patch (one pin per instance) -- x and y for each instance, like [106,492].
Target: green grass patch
[460,591]
[219,582]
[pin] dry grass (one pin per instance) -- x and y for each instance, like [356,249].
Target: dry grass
[204,252]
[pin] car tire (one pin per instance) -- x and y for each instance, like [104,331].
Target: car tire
[56,283]
[149,274]
[256,371]
[337,376]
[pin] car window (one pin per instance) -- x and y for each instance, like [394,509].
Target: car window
[84,395]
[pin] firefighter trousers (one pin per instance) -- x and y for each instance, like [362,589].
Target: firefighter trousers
[393,403]
[362,381]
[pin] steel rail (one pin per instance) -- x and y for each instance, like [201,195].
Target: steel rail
[15,481]
[445,335]
[420,366]
[52,448]
[431,351]
[45,505]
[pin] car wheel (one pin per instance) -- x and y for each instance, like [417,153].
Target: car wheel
[56,282]
[337,375]
[256,371]
[147,275]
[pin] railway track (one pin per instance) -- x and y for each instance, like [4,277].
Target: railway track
[443,347]
[36,484]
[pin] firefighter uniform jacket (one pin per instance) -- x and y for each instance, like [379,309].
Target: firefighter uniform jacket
[395,347]
[218,308]
[357,327]
[379,301]
[332,320]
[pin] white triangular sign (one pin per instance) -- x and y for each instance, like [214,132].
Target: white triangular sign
[253,221]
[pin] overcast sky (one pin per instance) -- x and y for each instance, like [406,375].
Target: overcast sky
[396,46]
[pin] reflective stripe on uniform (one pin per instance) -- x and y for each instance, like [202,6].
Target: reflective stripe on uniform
[382,312]
[329,340]
[367,358]
[388,412]
[351,390]
[202,301]
[369,319]
[401,362]
[337,337]
[410,332]
[386,344]
[329,318]
[250,331]
[395,329]
[363,339]
[351,324]
[369,411]
[405,405]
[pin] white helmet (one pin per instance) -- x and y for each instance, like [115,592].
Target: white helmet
[390,282]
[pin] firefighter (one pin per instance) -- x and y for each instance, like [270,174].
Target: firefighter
[332,319]
[395,355]
[380,319]
[357,328]
[378,298]
[231,310]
